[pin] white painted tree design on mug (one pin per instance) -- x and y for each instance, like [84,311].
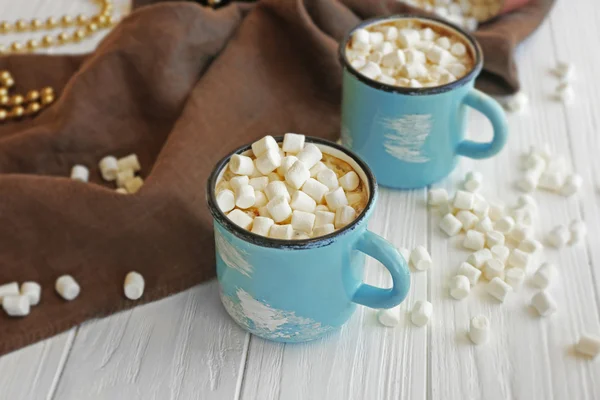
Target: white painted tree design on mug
[407,136]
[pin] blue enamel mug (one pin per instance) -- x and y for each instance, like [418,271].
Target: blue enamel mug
[412,137]
[299,290]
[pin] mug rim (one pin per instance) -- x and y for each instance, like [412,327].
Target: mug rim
[263,241]
[408,90]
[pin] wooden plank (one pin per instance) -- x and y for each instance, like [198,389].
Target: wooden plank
[182,347]
[364,360]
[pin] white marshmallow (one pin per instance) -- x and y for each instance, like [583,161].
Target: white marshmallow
[464,200]
[375,38]
[321,207]
[478,258]
[460,287]
[479,331]
[259,183]
[133,185]
[273,177]
[457,70]
[505,225]
[473,181]
[303,221]
[67,287]
[474,240]
[552,181]
[437,197]
[572,185]
[394,59]
[412,71]
[493,269]
[481,209]
[9,289]
[420,259]
[588,345]
[279,208]
[450,225]
[390,33]
[458,49]
[446,208]
[343,216]
[245,197]
[375,57]
[559,236]
[468,270]
[544,303]
[386,79]
[415,57]
[578,231]
[545,275]
[277,188]
[496,211]
[134,285]
[240,218]
[415,83]
[323,230]
[524,215]
[241,165]
[428,34]
[467,219]
[500,253]
[439,56]
[269,161]
[499,289]
[297,174]
[336,199]
[129,162]
[565,93]
[421,313]
[33,291]
[16,306]
[286,163]
[284,232]
[519,259]
[80,173]
[531,246]
[408,37]
[293,143]
[371,70]
[514,277]
[494,238]
[108,168]
[318,167]
[262,225]
[389,317]
[303,202]
[315,189]
[349,181]
[264,145]
[310,155]
[565,71]
[264,212]
[123,191]
[238,181]
[443,42]
[528,182]
[485,225]
[521,232]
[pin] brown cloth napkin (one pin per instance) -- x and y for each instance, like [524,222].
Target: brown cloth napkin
[180,85]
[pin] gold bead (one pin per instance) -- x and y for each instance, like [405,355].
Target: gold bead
[16,47]
[33,44]
[8,82]
[3,49]
[3,115]
[63,37]
[47,41]
[66,20]
[21,25]
[36,24]
[101,20]
[3,91]
[82,19]
[17,112]
[112,20]
[33,95]
[6,27]
[79,34]
[107,9]
[17,100]
[51,22]
[33,108]
[47,91]
[5,75]
[47,99]
[92,27]
[4,100]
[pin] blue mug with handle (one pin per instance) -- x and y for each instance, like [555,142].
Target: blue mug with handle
[412,137]
[299,290]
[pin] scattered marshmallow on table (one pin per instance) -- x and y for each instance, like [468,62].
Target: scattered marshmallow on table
[450,225]
[467,219]
[478,258]
[531,246]
[505,225]
[473,181]
[545,275]
[500,253]
[514,277]
[571,185]
[519,259]
[464,200]
[9,289]
[493,268]
[133,286]
[16,305]
[494,238]
[479,331]
[499,289]
[67,287]
[578,231]
[559,236]
[460,287]
[33,291]
[420,258]
[437,197]
[421,313]
[80,173]
[108,168]
[474,240]
[544,303]
[496,210]
[468,270]
[389,317]
[588,345]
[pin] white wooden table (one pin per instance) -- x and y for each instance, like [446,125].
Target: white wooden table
[186,347]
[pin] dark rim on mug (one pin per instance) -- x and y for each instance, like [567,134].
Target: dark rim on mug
[264,241]
[408,90]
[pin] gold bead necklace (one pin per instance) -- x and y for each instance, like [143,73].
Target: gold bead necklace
[17,105]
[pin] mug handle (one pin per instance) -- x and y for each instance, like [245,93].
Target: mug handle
[380,249]
[494,112]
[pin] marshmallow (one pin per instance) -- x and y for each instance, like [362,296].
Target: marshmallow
[415,57]
[9,289]
[413,70]
[524,215]
[80,173]
[263,146]
[437,197]
[129,162]
[361,36]
[133,185]
[274,177]
[514,277]
[277,188]
[262,225]
[375,38]
[457,70]
[443,42]
[16,306]
[481,208]
[269,161]
[123,191]
[458,49]
[468,270]
[264,212]
[446,208]
[421,313]
[450,225]
[286,163]
[303,221]
[499,289]
[241,165]
[315,189]
[471,24]
[485,225]
[496,210]
[323,230]
[528,182]
[349,181]
[238,181]
[544,303]
[526,200]
[259,183]
[375,57]
[440,56]
[578,231]
[493,269]
[67,287]
[460,287]
[500,253]
[108,168]
[464,200]
[467,219]
[318,167]
[565,93]
[33,291]
[328,178]
[479,331]
[415,83]
[279,208]
[240,218]
[535,162]
[552,181]
[494,238]
[394,59]
[390,33]
[293,143]
[478,258]
[310,155]
[588,345]
[544,276]
[420,258]
[505,225]
[521,232]
[336,199]
[371,70]
[134,284]
[474,240]
[343,216]
[565,71]
[428,34]
[559,236]
[389,317]
[408,37]
[530,246]
[245,197]
[284,232]
[571,185]
[519,259]
[297,174]
[303,202]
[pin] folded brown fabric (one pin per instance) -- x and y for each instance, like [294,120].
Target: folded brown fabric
[180,85]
